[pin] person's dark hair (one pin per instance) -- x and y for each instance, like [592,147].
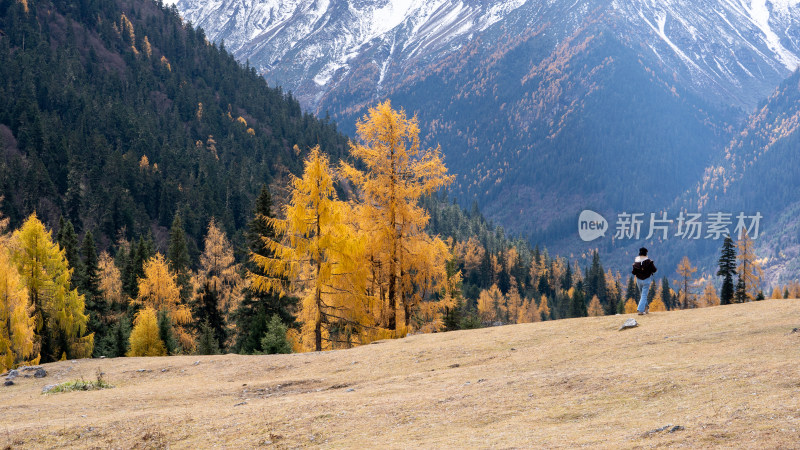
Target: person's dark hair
[642,251]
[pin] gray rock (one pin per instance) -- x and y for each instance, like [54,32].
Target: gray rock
[48,388]
[40,373]
[630,323]
[8,383]
[12,374]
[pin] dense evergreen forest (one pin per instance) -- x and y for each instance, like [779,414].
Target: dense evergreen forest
[117,115]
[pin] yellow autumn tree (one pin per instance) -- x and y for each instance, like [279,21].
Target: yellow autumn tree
[657,305]
[319,258]
[60,321]
[430,316]
[749,269]
[218,269]
[709,296]
[631,306]
[398,172]
[159,291]
[777,293]
[491,305]
[544,309]
[686,271]
[148,49]
[145,339]
[514,304]
[110,279]
[595,308]
[16,313]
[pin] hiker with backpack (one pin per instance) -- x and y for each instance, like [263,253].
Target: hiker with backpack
[643,267]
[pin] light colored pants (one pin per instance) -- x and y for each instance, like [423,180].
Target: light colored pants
[644,286]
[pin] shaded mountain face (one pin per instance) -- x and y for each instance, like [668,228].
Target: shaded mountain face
[542,108]
[758,171]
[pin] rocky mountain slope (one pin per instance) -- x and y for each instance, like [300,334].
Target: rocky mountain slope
[542,108]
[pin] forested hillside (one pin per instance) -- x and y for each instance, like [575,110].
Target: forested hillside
[117,115]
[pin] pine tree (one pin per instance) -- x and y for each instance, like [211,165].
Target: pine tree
[666,294]
[178,257]
[61,324]
[96,307]
[398,173]
[578,302]
[166,333]
[740,295]
[145,340]
[258,307]
[207,313]
[68,241]
[727,268]
[207,344]
[274,339]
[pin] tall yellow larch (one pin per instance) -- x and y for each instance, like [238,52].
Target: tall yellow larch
[657,305]
[514,303]
[145,339]
[749,269]
[60,321]
[686,270]
[777,293]
[709,296]
[148,49]
[159,290]
[398,173]
[218,269]
[491,305]
[16,314]
[544,309]
[471,254]
[595,308]
[319,259]
[110,279]
[631,306]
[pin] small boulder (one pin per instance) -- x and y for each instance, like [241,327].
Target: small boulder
[8,383]
[12,374]
[48,388]
[630,323]
[40,373]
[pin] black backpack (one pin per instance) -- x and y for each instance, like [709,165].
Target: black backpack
[640,270]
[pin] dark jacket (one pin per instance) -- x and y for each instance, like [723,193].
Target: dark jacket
[644,268]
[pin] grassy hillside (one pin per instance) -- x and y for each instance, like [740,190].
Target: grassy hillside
[728,375]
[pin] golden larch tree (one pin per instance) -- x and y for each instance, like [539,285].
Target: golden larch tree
[491,305]
[60,321]
[319,258]
[398,172]
[218,269]
[16,314]
[686,271]
[657,305]
[544,309]
[749,269]
[145,339]
[595,308]
[110,279]
[709,296]
[631,306]
[159,291]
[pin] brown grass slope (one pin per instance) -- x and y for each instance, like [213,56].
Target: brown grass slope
[729,375]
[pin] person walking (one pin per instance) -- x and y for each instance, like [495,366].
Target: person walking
[643,268]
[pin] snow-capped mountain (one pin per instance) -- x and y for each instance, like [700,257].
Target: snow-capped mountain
[732,51]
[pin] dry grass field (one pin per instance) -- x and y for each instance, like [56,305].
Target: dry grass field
[726,377]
